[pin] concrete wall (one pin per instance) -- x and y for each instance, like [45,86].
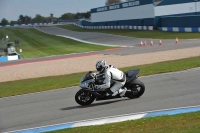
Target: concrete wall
[138,12]
[182,8]
[145,13]
[179,8]
[181,21]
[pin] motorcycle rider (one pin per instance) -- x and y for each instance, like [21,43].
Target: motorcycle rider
[111,74]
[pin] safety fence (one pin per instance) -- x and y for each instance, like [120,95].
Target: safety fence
[31,24]
[180,29]
[170,29]
[116,27]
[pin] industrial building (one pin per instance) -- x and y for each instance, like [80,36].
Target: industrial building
[158,13]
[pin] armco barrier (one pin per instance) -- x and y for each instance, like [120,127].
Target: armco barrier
[180,29]
[116,27]
[32,24]
[86,27]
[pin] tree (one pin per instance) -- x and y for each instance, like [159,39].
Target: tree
[24,19]
[82,15]
[68,16]
[109,2]
[21,19]
[48,19]
[27,19]
[4,21]
[39,18]
[88,15]
[13,22]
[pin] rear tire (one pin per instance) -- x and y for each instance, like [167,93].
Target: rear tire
[137,89]
[84,98]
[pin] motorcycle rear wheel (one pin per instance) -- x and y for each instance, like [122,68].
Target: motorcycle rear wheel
[137,89]
[84,98]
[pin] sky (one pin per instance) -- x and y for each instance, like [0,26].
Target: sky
[11,9]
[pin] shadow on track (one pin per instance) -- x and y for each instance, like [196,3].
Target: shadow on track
[92,105]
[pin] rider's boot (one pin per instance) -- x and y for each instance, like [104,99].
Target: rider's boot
[121,92]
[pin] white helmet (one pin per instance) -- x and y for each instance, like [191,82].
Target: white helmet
[100,65]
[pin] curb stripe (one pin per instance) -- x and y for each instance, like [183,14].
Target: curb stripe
[112,49]
[46,129]
[172,112]
[109,120]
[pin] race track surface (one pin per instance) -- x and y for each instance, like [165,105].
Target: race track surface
[109,39]
[163,91]
[92,36]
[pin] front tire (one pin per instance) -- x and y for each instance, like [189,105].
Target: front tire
[136,88]
[84,98]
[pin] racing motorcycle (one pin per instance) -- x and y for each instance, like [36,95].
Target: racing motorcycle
[88,93]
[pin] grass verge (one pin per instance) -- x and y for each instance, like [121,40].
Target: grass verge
[137,33]
[49,83]
[37,44]
[181,123]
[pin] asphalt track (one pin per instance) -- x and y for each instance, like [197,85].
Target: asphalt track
[104,38]
[163,91]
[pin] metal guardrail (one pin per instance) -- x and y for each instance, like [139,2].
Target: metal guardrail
[32,24]
[117,27]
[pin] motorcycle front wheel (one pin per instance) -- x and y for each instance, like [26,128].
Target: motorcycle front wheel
[84,97]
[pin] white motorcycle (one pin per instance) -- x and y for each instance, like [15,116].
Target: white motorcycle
[88,93]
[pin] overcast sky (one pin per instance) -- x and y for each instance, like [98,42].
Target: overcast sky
[11,9]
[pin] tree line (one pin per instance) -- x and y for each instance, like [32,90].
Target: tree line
[24,19]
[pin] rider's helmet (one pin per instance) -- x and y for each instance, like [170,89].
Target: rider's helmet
[100,65]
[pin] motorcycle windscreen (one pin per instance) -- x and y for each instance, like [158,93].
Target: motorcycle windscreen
[86,77]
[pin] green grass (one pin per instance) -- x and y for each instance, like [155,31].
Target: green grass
[37,44]
[181,123]
[137,33]
[49,83]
